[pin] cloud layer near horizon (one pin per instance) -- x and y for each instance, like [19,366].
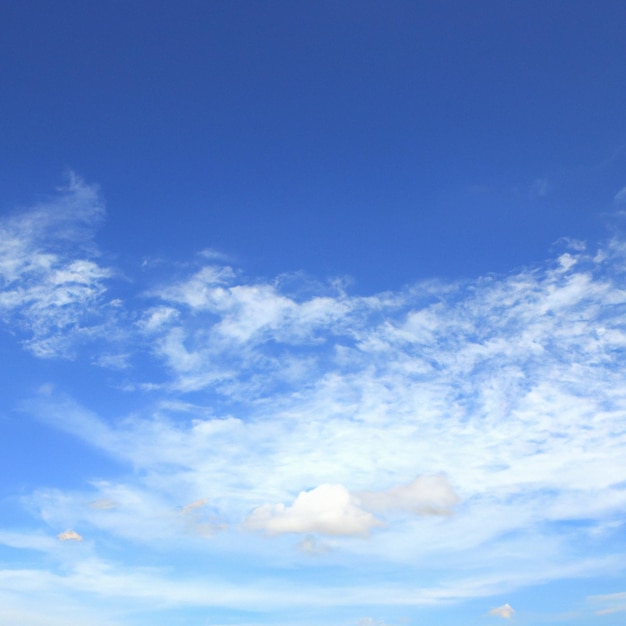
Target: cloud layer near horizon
[410,428]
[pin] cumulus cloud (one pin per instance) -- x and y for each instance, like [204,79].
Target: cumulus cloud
[69,535]
[426,495]
[327,509]
[333,510]
[506,611]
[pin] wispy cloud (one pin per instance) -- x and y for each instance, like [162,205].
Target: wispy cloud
[292,408]
[51,281]
[611,602]
[103,504]
[426,495]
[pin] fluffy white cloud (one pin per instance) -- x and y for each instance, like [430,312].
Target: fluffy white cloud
[333,510]
[327,509]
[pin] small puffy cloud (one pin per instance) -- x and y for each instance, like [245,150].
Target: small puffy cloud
[426,495]
[327,509]
[69,535]
[506,611]
[368,621]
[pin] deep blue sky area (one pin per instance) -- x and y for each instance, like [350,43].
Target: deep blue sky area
[386,141]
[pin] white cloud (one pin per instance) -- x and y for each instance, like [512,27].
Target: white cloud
[426,495]
[506,611]
[327,509]
[507,387]
[51,284]
[70,535]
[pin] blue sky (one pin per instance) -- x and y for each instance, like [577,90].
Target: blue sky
[312,313]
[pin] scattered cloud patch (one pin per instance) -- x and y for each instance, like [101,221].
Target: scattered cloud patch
[506,611]
[52,285]
[69,535]
[426,495]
